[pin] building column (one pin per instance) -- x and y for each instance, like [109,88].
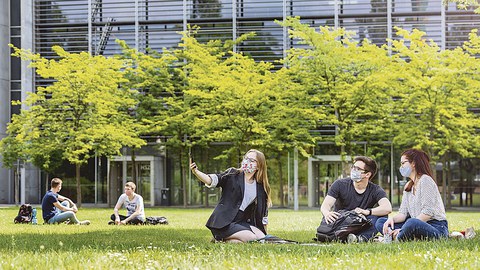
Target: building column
[4,92]
[32,174]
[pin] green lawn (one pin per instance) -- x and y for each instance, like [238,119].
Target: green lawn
[185,244]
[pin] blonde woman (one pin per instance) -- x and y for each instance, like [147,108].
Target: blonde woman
[241,214]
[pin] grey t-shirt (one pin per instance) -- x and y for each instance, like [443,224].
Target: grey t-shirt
[131,206]
[347,198]
[249,195]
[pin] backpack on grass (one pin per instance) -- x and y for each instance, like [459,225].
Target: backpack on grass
[348,222]
[25,214]
[156,221]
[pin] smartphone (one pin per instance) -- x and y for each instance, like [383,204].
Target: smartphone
[190,157]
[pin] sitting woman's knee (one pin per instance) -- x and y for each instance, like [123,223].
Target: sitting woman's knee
[243,236]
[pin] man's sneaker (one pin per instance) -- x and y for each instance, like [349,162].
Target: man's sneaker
[387,239]
[352,238]
[457,235]
[470,233]
[111,222]
[85,222]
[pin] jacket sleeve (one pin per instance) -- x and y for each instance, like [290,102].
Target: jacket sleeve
[219,179]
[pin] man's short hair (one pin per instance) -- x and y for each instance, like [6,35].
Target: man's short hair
[370,165]
[55,182]
[131,185]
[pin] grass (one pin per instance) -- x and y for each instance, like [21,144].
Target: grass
[184,244]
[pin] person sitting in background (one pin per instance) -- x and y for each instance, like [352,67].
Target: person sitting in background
[421,214]
[133,202]
[55,212]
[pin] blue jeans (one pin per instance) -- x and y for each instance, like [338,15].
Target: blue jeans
[371,231]
[413,228]
[61,216]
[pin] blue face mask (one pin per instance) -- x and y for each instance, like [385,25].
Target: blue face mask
[356,175]
[405,171]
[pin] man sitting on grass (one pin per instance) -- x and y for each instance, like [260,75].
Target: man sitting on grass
[358,193]
[134,205]
[56,212]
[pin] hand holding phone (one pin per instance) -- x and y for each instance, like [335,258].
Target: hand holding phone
[193,166]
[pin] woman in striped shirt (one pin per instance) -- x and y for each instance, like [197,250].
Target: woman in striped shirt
[422,213]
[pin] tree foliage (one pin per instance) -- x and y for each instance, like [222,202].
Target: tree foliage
[349,82]
[437,90]
[465,4]
[81,114]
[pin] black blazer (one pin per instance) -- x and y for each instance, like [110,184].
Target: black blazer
[233,186]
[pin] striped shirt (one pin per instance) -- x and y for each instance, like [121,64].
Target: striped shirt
[426,200]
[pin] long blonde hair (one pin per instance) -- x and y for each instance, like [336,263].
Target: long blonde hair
[261,173]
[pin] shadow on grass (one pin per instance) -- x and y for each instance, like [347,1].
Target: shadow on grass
[113,239]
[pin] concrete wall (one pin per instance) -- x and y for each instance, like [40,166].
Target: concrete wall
[28,190]
[4,92]
[32,176]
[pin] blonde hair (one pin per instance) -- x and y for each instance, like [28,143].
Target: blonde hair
[261,173]
[131,185]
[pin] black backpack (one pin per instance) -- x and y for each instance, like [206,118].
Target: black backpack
[24,214]
[348,222]
[156,220]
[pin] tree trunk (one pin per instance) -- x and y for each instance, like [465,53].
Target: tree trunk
[47,183]
[184,180]
[448,201]
[134,168]
[444,183]
[449,175]
[280,180]
[345,169]
[449,180]
[79,188]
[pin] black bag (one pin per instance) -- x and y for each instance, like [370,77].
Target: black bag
[156,220]
[24,214]
[271,239]
[348,222]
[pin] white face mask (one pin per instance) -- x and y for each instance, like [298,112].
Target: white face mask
[356,175]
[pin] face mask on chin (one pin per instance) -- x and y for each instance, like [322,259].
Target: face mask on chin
[356,176]
[248,166]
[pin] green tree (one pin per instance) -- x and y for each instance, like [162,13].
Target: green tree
[290,121]
[82,113]
[350,83]
[155,77]
[228,94]
[232,98]
[438,88]
[465,4]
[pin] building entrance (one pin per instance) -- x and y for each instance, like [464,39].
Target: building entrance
[147,172]
[323,170]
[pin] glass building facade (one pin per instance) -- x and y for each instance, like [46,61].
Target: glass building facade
[94,25]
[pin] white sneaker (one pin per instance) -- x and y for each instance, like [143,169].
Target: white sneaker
[387,239]
[470,233]
[457,235]
[352,238]
[85,222]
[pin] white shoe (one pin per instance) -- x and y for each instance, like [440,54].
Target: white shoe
[352,238]
[85,222]
[470,233]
